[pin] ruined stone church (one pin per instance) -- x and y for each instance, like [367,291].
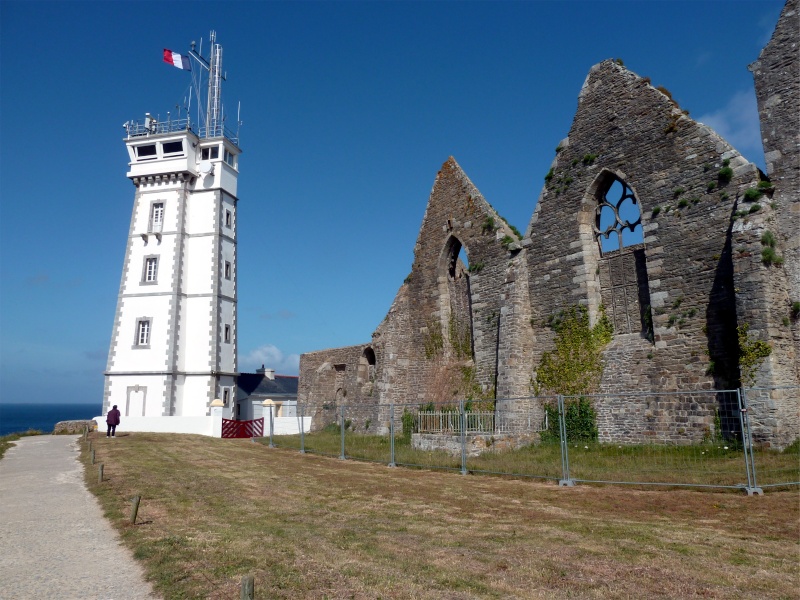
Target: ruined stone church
[718,256]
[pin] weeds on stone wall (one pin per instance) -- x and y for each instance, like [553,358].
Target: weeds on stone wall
[433,340]
[752,354]
[575,366]
[460,337]
[768,254]
[580,421]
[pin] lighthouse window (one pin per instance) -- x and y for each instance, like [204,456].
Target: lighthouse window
[227,334]
[146,152]
[150,269]
[209,153]
[230,159]
[228,218]
[173,148]
[227,270]
[156,217]
[142,333]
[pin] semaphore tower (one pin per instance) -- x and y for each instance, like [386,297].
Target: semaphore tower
[173,345]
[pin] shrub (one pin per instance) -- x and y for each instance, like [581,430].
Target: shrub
[710,186]
[677,192]
[506,241]
[795,310]
[549,175]
[770,257]
[683,203]
[765,186]
[580,421]
[725,174]
[656,210]
[588,159]
[488,225]
[754,208]
[752,194]
[767,239]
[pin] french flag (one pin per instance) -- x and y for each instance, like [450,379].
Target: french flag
[176,60]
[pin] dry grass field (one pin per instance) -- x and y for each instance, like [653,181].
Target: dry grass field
[307,526]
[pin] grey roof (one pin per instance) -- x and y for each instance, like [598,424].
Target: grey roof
[257,384]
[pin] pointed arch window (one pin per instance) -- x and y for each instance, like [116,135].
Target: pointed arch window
[622,267]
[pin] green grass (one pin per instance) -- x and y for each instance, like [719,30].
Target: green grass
[706,464]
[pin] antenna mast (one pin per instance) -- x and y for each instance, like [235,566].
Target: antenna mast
[214,110]
[213,125]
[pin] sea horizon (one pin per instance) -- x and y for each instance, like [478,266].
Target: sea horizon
[18,417]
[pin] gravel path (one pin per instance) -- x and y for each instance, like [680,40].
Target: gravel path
[54,540]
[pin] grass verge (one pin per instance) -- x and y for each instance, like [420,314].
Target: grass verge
[308,526]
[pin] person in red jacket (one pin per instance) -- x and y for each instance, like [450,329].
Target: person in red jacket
[112,420]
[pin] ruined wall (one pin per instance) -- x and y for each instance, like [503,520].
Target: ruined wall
[675,296]
[776,75]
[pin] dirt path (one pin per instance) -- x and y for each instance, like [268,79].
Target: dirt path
[55,542]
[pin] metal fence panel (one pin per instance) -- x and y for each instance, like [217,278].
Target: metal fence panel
[773,422]
[693,438]
[683,438]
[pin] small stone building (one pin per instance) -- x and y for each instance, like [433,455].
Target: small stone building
[647,216]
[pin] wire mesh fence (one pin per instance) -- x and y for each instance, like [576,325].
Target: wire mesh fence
[695,438]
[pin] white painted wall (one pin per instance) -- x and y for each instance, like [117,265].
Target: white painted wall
[197,425]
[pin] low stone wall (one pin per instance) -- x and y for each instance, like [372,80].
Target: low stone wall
[73,427]
[477,444]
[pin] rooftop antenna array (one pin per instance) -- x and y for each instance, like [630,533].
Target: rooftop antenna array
[213,125]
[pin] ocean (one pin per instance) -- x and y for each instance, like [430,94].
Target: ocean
[22,417]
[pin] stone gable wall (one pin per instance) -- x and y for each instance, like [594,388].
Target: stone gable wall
[696,277]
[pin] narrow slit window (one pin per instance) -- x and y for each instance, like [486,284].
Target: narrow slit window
[227,334]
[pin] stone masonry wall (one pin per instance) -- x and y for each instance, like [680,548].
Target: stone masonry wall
[479,330]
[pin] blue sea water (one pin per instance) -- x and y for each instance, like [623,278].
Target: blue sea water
[22,417]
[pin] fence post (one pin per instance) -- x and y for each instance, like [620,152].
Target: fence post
[100,473]
[271,427]
[134,508]
[302,430]
[747,443]
[248,588]
[341,429]
[565,480]
[391,434]
[463,437]
[92,456]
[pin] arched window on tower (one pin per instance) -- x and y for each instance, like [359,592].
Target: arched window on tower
[622,266]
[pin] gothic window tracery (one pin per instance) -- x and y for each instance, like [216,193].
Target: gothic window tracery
[622,266]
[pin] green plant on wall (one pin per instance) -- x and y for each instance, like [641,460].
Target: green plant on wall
[433,340]
[575,366]
[580,421]
[460,337]
[409,421]
[752,354]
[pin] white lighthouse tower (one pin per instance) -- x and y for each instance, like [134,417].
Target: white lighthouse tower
[173,345]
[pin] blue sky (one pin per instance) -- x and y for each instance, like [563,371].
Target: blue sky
[349,111]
